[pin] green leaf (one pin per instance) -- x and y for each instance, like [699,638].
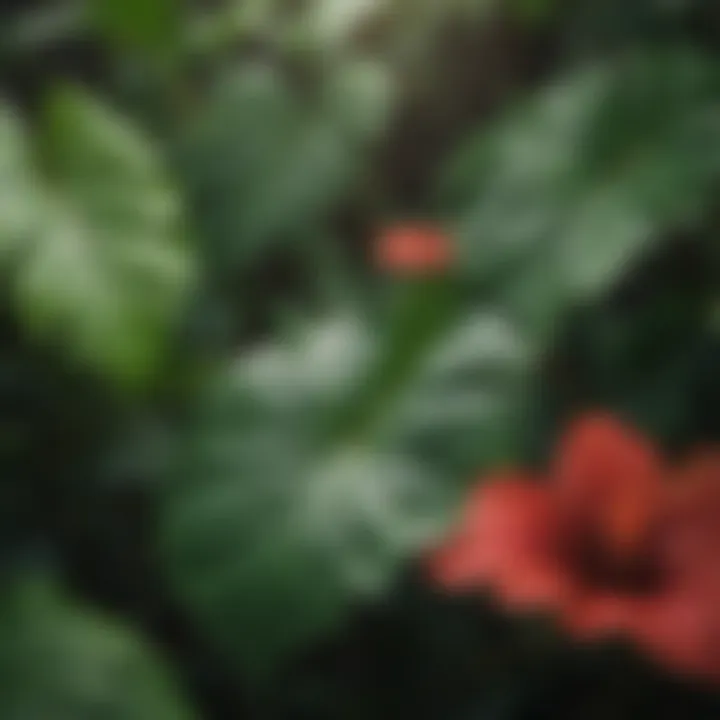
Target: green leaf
[93,238]
[264,167]
[331,24]
[533,10]
[63,661]
[19,194]
[579,182]
[277,523]
[360,98]
[138,24]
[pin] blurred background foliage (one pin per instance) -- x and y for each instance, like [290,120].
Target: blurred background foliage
[225,436]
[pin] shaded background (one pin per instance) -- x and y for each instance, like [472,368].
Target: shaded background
[225,436]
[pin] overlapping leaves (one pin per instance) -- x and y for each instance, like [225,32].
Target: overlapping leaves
[280,521]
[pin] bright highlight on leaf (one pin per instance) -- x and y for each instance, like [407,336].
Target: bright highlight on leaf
[93,238]
[277,524]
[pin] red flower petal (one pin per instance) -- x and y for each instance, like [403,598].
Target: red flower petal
[509,539]
[691,531]
[676,627]
[678,623]
[609,477]
[567,547]
[697,482]
[595,615]
[680,630]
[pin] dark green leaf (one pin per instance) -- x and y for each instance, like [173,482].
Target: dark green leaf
[138,24]
[578,183]
[60,660]
[264,167]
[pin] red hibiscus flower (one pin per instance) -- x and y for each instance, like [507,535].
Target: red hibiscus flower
[413,249]
[616,542]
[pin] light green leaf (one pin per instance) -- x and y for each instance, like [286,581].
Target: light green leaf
[19,194]
[277,522]
[93,239]
[332,22]
[360,98]
[63,661]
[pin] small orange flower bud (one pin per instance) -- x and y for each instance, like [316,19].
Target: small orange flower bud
[413,250]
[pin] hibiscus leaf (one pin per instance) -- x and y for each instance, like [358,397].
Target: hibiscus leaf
[92,237]
[296,496]
[62,660]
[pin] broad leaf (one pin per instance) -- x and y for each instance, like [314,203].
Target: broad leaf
[63,661]
[581,180]
[92,237]
[20,204]
[278,521]
[264,167]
